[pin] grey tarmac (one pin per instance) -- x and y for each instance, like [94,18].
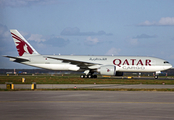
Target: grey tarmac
[86,105]
[89,86]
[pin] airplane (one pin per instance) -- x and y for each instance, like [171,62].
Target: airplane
[105,65]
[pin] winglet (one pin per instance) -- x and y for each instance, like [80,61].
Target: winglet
[23,47]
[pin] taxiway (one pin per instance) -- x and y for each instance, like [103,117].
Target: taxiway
[84,105]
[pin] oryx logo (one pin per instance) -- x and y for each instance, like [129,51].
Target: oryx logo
[108,70]
[22,46]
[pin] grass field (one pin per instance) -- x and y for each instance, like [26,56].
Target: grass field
[75,79]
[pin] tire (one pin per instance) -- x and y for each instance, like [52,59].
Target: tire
[89,76]
[95,76]
[156,77]
[82,76]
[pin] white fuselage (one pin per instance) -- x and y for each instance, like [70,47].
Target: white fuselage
[122,63]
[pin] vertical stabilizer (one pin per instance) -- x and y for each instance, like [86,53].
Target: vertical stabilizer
[23,47]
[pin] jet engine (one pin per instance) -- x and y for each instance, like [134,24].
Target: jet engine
[109,70]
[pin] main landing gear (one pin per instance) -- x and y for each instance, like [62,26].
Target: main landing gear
[88,74]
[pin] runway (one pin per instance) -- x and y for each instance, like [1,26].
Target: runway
[86,105]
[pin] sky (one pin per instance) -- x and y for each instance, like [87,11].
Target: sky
[88,27]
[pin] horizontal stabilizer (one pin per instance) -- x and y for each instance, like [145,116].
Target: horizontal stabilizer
[17,59]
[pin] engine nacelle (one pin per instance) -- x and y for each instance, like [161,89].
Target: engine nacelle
[109,70]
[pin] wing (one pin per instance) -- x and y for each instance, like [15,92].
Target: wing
[81,64]
[17,59]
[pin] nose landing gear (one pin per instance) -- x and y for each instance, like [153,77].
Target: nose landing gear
[156,76]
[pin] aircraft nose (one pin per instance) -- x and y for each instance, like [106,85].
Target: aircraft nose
[168,66]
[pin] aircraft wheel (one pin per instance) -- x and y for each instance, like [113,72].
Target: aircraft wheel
[95,76]
[82,76]
[89,76]
[86,76]
[156,77]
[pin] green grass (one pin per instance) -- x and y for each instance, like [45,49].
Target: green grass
[75,79]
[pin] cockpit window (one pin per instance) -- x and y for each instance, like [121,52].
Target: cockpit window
[166,62]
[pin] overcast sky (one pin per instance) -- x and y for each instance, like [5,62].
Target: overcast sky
[89,27]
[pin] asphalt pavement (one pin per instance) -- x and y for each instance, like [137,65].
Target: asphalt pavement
[86,105]
[89,86]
